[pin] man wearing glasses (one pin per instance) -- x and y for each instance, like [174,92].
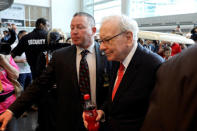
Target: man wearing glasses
[133,74]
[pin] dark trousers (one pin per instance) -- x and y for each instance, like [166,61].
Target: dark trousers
[47,111]
[25,79]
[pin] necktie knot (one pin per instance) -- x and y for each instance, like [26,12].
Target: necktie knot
[84,53]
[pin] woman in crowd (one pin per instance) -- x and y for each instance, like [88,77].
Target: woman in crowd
[8,72]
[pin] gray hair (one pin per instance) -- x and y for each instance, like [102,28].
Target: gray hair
[125,24]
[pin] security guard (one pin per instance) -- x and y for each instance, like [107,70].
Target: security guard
[34,45]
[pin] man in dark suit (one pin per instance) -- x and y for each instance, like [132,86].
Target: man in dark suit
[173,102]
[129,98]
[64,71]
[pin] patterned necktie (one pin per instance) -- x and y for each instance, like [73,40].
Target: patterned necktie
[84,79]
[119,78]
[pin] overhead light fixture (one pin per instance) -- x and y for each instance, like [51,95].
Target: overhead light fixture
[4,4]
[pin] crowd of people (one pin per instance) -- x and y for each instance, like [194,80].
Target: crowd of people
[128,79]
[31,52]
[167,49]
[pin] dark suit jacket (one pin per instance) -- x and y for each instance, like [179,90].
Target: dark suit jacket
[62,71]
[173,105]
[128,109]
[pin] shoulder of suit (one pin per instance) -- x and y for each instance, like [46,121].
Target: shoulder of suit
[148,55]
[67,49]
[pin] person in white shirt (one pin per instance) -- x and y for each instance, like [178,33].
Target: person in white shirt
[25,76]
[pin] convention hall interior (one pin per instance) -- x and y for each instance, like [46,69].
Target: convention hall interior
[168,21]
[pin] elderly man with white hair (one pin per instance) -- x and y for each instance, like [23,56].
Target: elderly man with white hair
[132,76]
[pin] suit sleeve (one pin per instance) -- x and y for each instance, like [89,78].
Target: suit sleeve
[34,91]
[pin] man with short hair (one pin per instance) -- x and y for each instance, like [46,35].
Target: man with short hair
[65,70]
[33,45]
[25,76]
[9,35]
[133,74]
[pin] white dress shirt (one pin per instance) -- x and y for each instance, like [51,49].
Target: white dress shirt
[91,60]
[128,58]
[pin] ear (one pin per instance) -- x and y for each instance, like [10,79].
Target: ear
[129,36]
[93,30]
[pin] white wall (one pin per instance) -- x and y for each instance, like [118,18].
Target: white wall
[125,7]
[62,12]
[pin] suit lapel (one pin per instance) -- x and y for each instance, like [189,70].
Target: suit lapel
[99,65]
[129,76]
[98,59]
[115,66]
[74,67]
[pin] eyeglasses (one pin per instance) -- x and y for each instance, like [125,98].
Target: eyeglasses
[107,40]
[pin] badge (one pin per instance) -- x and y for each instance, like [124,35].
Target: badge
[106,79]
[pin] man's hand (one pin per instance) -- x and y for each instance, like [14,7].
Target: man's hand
[4,119]
[98,118]
[100,115]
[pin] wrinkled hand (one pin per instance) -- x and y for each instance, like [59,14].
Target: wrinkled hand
[100,115]
[84,121]
[4,119]
[98,118]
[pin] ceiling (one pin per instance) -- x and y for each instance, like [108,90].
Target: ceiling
[4,4]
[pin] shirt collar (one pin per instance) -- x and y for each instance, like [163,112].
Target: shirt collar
[130,55]
[90,49]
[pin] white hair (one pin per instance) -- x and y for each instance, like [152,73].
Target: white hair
[125,24]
